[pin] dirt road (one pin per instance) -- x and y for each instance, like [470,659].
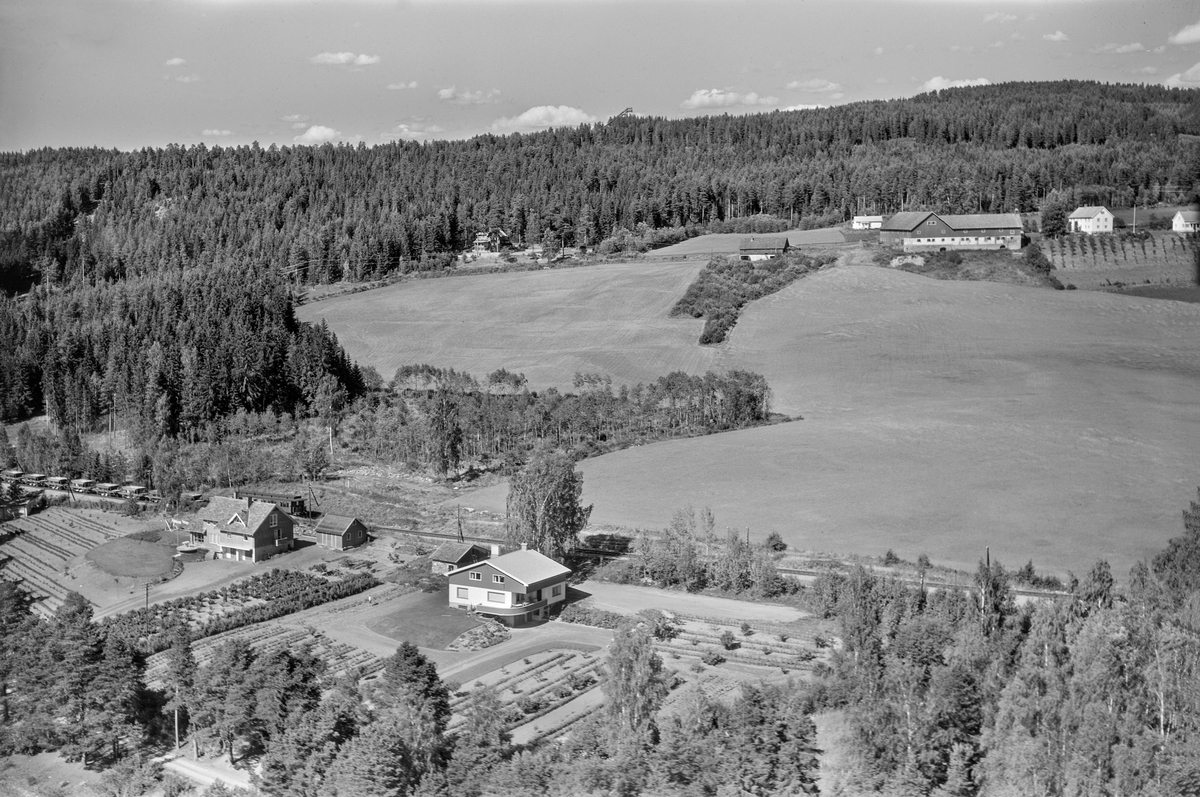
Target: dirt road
[631,600]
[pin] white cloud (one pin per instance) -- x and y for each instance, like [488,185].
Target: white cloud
[802,107]
[719,98]
[412,131]
[345,59]
[188,79]
[402,85]
[997,16]
[815,85]
[542,117]
[174,62]
[299,125]
[1146,70]
[467,97]
[938,83]
[318,134]
[1188,35]
[1185,80]
[215,132]
[1113,47]
[294,117]
[1057,36]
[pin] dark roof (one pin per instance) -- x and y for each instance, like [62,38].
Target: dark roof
[455,552]
[222,509]
[335,524]
[764,243]
[910,220]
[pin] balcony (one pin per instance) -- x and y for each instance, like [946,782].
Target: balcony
[507,611]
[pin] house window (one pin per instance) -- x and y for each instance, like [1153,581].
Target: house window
[461,592]
[497,579]
[496,597]
[931,222]
[274,520]
[519,597]
[476,575]
[556,590]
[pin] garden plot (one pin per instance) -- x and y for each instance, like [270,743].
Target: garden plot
[537,686]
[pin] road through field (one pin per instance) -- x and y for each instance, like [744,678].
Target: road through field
[548,325]
[941,417]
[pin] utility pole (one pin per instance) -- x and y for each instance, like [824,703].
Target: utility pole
[147,594]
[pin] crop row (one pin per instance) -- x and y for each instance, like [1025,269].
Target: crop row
[34,524]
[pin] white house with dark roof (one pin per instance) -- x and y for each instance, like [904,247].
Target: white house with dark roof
[1091,220]
[1186,221]
[517,588]
[243,529]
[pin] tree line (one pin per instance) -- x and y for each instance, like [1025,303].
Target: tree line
[323,214]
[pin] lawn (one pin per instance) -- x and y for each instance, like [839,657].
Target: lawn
[424,619]
[728,243]
[126,556]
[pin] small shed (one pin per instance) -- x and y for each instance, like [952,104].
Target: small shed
[453,555]
[866,223]
[339,533]
[762,247]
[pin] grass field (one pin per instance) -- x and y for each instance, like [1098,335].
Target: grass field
[727,243]
[132,558]
[941,417]
[548,325]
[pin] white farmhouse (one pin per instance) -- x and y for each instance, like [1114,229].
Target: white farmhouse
[866,222]
[1186,221]
[1091,220]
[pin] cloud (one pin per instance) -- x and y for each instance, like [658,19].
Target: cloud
[1185,80]
[318,134]
[816,85]
[294,117]
[1146,70]
[719,98]
[997,16]
[345,59]
[1113,47]
[938,83]
[188,78]
[542,117]
[215,132]
[411,131]
[802,107]
[1187,35]
[467,97]
[402,85]
[174,62]
[1057,36]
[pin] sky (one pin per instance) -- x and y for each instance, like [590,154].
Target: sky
[135,73]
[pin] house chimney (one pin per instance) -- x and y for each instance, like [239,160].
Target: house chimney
[495,550]
[524,547]
[249,501]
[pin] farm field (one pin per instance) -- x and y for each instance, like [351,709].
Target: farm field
[727,243]
[548,325]
[941,417]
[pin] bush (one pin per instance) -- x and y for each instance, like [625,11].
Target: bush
[746,629]
[584,614]
[712,658]
[890,559]
[727,640]
[775,542]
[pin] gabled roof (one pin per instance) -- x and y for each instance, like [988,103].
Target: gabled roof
[765,243]
[335,524]
[1192,216]
[868,218]
[1088,212]
[984,221]
[906,221]
[527,567]
[231,514]
[455,552]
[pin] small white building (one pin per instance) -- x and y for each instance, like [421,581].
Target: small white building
[1186,221]
[1091,220]
[866,222]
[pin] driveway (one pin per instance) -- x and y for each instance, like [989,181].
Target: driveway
[627,599]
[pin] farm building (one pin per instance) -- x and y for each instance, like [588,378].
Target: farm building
[292,503]
[515,589]
[866,222]
[762,247]
[1186,221]
[453,555]
[243,529]
[339,533]
[924,231]
[1091,220]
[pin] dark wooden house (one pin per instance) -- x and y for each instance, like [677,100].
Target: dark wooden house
[339,533]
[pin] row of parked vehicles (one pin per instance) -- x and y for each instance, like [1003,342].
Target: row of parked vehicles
[81,486]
